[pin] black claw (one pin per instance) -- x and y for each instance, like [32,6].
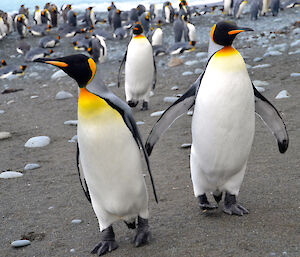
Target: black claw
[107,242]
[231,207]
[130,225]
[204,204]
[143,234]
[132,103]
[145,106]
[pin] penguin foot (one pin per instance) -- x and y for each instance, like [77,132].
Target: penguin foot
[107,243]
[204,204]
[145,106]
[132,103]
[143,234]
[130,225]
[217,197]
[231,207]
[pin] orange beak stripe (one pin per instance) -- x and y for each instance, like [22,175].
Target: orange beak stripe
[236,31]
[58,64]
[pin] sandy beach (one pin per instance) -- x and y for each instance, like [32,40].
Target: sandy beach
[40,205]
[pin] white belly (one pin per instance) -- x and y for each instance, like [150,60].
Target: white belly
[157,37]
[139,69]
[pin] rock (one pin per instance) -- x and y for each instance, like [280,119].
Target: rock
[73,139]
[190,63]
[76,221]
[258,59]
[44,85]
[61,95]
[151,93]
[295,74]
[112,84]
[1,111]
[198,71]
[140,123]
[258,83]
[58,74]
[170,99]
[296,31]
[185,145]
[260,89]
[179,95]
[201,55]
[34,96]
[187,73]
[175,61]
[281,47]
[272,53]
[260,66]
[20,243]
[31,166]
[296,43]
[175,88]
[72,250]
[39,141]
[71,122]
[10,174]
[10,101]
[295,52]
[155,114]
[4,135]
[283,94]
[190,113]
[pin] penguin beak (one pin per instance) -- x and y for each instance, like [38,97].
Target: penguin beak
[52,62]
[238,30]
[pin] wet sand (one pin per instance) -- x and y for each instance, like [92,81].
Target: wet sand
[41,205]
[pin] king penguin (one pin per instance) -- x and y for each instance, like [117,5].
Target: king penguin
[108,154]
[223,124]
[140,69]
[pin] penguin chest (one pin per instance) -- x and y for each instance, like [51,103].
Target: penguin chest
[157,37]
[223,120]
[109,156]
[139,67]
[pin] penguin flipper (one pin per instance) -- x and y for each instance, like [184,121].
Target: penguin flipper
[273,120]
[155,74]
[180,107]
[122,63]
[81,176]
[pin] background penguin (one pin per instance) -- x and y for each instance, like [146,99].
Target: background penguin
[108,154]
[37,15]
[181,47]
[223,122]
[153,11]
[179,29]
[36,53]
[46,17]
[90,17]
[21,23]
[228,5]
[49,41]
[265,7]
[116,20]
[72,18]
[9,70]
[274,6]
[53,15]
[238,7]
[168,12]
[97,49]
[140,71]
[64,11]
[24,10]
[255,8]
[82,44]
[157,35]
[39,30]
[22,47]
[133,15]
[190,30]
[141,9]
[144,20]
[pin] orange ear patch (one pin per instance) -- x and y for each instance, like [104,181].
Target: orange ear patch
[236,31]
[58,64]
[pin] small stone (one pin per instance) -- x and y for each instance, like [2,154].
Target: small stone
[151,93]
[113,84]
[201,54]
[272,254]
[51,207]
[10,101]
[259,83]
[71,122]
[20,243]
[185,145]
[272,53]
[76,221]
[39,141]
[140,123]
[296,43]
[283,94]
[281,47]
[198,71]
[34,96]
[190,113]
[72,250]
[155,114]
[260,66]
[33,74]
[10,174]
[58,74]
[61,95]
[284,253]
[1,111]
[175,88]
[175,61]
[295,74]
[179,95]
[31,166]
[260,89]
[295,52]
[258,59]
[44,85]
[248,66]
[190,63]
[73,139]
[170,99]
[187,73]
[4,135]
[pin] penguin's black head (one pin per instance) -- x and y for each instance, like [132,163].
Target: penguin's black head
[137,29]
[79,67]
[224,32]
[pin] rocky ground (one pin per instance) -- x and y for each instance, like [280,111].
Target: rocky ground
[40,205]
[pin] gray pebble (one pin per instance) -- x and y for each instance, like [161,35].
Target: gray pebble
[187,73]
[71,122]
[34,96]
[31,166]
[61,95]
[10,174]
[257,59]
[296,43]
[1,111]
[201,54]
[140,123]
[190,63]
[155,114]
[185,145]
[260,66]
[170,99]
[260,89]
[283,94]
[39,141]
[295,74]
[76,221]
[58,74]
[113,84]
[198,71]
[190,113]
[4,135]
[272,53]
[295,52]
[73,139]
[175,88]
[72,250]
[20,243]
[258,83]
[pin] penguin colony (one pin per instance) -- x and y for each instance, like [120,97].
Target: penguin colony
[224,100]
